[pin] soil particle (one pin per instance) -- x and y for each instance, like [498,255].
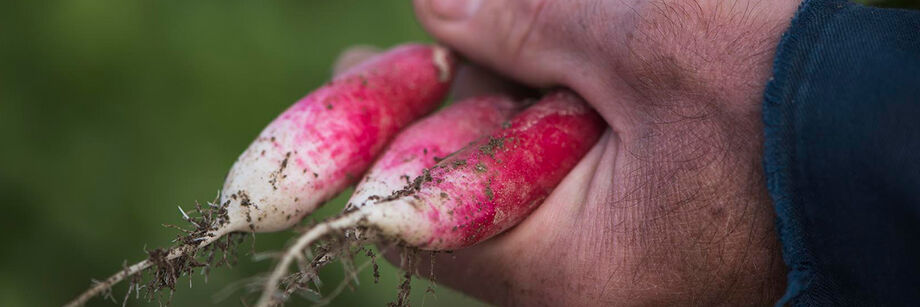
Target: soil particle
[252,227]
[244,199]
[371,254]
[280,172]
[412,187]
[494,145]
[459,163]
[481,167]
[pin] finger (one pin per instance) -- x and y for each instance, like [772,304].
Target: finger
[524,39]
[353,56]
[541,43]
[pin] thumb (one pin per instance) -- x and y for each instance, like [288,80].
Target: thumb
[523,39]
[540,43]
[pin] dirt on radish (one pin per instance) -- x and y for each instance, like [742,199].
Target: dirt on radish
[269,188]
[454,204]
[450,181]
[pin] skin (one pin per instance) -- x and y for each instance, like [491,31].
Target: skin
[670,207]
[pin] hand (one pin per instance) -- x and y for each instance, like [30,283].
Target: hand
[670,207]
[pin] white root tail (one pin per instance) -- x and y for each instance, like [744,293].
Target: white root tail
[270,291]
[106,284]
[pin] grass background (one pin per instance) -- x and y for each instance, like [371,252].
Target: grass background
[112,112]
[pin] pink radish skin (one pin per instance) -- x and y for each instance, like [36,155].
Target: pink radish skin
[495,183]
[417,147]
[479,191]
[319,146]
[325,141]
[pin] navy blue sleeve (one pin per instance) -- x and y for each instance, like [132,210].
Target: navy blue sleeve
[842,154]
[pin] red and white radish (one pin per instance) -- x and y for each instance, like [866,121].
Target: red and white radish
[430,140]
[323,143]
[318,147]
[476,193]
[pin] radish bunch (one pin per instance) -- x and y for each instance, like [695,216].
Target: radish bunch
[477,192]
[451,180]
[315,149]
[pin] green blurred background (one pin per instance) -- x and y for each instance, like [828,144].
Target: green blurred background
[112,112]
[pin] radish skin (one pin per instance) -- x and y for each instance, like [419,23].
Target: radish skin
[324,142]
[416,148]
[500,180]
[318,147]
[476,193]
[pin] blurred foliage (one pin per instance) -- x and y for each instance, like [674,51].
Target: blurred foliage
[113,112]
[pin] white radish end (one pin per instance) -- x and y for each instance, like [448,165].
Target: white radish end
[279,179]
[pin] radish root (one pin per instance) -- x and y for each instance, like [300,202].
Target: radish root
[176,252]
[339,224]
[208,229]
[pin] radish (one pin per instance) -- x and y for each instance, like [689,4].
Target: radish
[310,153]
[415,148]
[476,193]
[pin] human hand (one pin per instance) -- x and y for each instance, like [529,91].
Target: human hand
[670,207]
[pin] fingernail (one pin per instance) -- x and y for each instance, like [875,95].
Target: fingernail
[454,9]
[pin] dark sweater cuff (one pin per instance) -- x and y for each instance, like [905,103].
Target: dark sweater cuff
[842,154]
